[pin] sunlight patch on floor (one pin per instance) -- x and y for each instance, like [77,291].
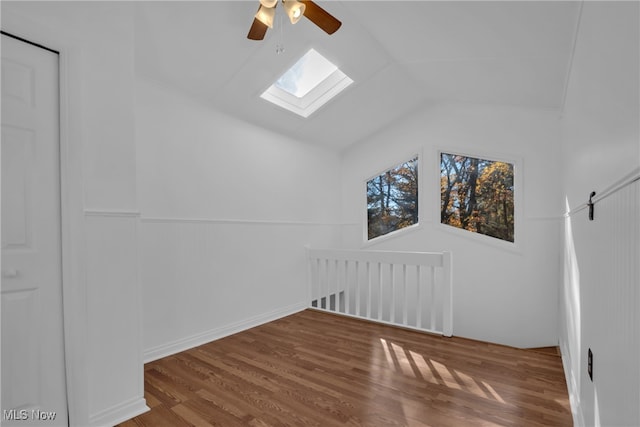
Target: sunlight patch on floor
[403,360]
[493,392]
[564,403]
[415,365]
[425,372]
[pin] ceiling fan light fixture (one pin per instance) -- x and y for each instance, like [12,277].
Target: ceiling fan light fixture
[266,15]
[294,10]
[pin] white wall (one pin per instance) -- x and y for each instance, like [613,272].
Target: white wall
[101,293]
[226,209]
[221,249]
[599,297]
[500,294]
[600,118]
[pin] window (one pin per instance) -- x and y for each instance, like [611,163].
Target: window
[310,83]
[477,195]
[392,199]
[310,70]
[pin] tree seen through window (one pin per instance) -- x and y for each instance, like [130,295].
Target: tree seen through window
[477,195]
[392,199]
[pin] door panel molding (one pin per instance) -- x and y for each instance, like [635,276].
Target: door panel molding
[69,48]
[33,350]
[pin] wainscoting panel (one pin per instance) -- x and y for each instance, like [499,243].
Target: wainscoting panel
[116,389]
[600,305]
[204,278]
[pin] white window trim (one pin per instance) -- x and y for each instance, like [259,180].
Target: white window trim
[518,216]
[414,227]
[306,105]
[393,234]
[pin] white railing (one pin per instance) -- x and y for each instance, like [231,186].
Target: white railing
[407,289]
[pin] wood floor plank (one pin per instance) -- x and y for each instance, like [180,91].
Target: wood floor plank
[317,369]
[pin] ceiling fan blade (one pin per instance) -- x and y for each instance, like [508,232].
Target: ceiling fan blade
[257,30]
[320,17]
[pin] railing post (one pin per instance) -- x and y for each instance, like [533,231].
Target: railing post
[392,309]
[337,297]
[419,296]
[447,300]
[405,297]
[307,249]
[432,299]
[347,288]
[379,291]
[368,289]
[357,282]
[327,303]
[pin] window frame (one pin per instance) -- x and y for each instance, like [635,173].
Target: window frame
[518,217]
[304,106]
[417,154]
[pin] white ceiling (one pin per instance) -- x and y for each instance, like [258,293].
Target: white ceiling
[401,55]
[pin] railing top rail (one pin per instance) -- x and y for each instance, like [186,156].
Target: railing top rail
[434,259]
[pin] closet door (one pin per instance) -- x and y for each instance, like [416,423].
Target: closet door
[33,367]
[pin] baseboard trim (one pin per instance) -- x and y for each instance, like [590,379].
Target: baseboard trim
[177,346]
[119,413]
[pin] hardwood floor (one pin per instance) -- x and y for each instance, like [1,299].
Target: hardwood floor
[317,369]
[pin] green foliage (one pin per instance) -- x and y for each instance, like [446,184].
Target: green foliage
[392,199]
[477,195]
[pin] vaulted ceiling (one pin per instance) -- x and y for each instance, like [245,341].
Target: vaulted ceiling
[401,55]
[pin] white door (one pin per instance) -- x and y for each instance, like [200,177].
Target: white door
[33,370]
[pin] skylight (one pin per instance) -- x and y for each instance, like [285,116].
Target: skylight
[311,82]
[307,73]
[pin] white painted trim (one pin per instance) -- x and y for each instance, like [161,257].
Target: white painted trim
[111,213]
[119,413]
[392,234]
[73,237]
[481,239]
[71,204]
[544,218]
[517,246]
[235,221]
[429,259]
[187,343]
[74,275]
[321,94]
[626,179]
[334,284]
[139,313]
[417,153]
[331,87]
[447,297]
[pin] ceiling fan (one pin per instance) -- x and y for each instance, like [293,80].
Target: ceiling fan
[295,9]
